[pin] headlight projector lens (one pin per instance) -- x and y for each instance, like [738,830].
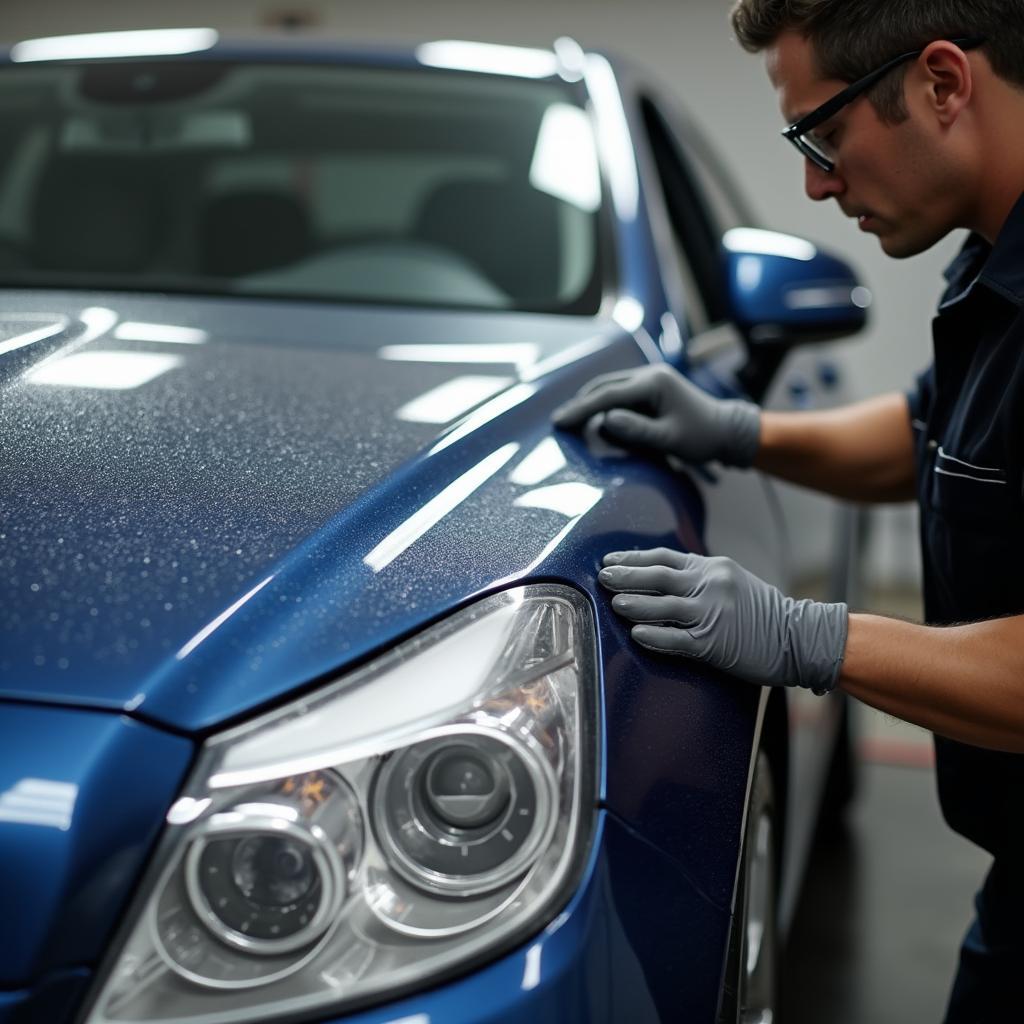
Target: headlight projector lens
[262,883]
[266,891]
[463,789]
[464,812]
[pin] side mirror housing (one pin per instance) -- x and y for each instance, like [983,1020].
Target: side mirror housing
[783,291]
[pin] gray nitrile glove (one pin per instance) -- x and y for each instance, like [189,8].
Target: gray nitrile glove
[715,611]
[657,408]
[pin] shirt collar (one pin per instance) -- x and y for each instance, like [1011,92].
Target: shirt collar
[1003,271]
[999,266]
[966,264]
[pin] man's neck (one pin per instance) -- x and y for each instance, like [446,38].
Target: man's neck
[1002,172]
[997,201]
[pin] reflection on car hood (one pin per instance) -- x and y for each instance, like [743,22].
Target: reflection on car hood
[207,503]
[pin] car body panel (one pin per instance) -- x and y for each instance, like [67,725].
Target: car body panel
[53,999]
[82,799]
[155,508]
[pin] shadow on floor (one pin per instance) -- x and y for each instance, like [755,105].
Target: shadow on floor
[884,907]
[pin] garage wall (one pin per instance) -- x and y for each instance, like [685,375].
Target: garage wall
[687,44]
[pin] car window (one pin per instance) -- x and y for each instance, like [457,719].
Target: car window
[726,204]
[695,228]
[355,183]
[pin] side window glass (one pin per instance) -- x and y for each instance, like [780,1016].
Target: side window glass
[695,231]
[728,206]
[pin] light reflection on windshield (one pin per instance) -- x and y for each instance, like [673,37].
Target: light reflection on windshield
[565,161]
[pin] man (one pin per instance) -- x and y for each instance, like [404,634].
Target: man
[909,114]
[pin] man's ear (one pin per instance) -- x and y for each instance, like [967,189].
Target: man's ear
[945,73]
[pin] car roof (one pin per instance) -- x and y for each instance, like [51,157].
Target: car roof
[209,44]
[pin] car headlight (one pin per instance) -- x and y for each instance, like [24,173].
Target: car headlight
[418,814]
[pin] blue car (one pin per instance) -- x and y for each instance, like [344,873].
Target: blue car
[310,705]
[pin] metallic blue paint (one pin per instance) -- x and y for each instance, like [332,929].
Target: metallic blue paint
[678,749]
[82,797]
[156,509]
[782,297]
[53,1000]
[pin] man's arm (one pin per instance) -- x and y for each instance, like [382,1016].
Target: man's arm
[963,682]
[863,452]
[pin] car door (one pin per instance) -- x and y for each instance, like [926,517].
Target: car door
[747,515]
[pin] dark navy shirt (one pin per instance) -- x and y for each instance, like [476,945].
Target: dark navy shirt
[968,419]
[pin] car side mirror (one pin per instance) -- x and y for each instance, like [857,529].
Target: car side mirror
[783,291]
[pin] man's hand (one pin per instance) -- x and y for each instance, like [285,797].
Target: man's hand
[656,408]
[715,611]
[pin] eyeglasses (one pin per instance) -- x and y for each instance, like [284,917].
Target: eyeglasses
[818,150]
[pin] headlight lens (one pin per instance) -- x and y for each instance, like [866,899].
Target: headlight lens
[416,814]
[464,812]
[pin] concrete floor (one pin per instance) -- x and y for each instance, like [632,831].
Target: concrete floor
[887,900]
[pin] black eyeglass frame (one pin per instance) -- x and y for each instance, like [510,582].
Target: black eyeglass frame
[795,132]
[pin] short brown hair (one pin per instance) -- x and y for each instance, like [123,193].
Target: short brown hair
[853,37]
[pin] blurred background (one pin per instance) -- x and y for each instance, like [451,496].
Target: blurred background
[889,898]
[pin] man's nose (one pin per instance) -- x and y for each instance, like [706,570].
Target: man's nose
[821,184]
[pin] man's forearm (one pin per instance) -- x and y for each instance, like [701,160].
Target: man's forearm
[861,452]
[962,682]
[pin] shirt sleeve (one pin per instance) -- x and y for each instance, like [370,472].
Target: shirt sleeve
[919,397]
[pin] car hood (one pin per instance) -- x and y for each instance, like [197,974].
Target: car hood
[207,503]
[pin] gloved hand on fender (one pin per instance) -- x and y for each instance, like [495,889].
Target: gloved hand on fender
[714,611]
[656,408]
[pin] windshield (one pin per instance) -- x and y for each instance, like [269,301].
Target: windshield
[359,184]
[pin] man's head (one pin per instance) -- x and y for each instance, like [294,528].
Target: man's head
[926,149]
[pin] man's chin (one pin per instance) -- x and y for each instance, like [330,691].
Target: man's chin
[897,249]
[901,245]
